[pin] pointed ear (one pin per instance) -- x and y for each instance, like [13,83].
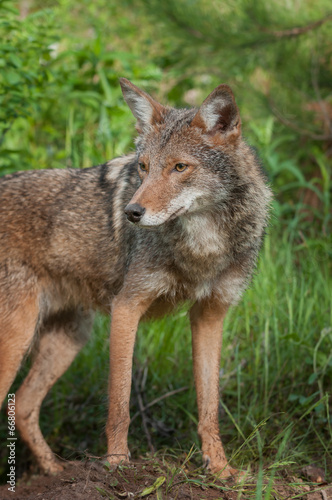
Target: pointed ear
[146,110]
[219,113]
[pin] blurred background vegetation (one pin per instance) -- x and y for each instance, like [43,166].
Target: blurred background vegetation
[61,106]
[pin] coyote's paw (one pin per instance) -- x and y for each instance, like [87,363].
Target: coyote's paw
[115,459]
[51,467]
[221,468]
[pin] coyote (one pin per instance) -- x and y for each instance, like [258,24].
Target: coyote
[181,220]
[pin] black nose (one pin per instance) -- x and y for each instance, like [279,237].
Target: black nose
[134,212]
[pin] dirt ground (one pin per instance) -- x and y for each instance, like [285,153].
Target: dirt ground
[156,479]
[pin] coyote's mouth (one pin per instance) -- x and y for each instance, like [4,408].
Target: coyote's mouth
[177,213]
[157,223]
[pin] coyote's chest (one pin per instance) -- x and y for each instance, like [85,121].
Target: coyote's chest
[198,256]
[201,251]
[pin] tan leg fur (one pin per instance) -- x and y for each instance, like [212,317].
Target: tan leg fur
[206,324]
[126,314]
[17,328]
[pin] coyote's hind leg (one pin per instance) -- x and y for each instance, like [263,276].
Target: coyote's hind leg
[62,337]
[18,319]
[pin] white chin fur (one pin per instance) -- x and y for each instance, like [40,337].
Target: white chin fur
[178,206]
[153,220]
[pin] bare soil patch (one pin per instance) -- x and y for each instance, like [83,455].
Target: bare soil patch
[154,479]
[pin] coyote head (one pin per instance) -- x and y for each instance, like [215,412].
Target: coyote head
[185,156]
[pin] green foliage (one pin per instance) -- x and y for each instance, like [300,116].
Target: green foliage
[24,53]
[251,44]
[290,183]
[61,100]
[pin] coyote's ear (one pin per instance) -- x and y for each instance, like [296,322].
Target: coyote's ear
[219,113]
[146,110]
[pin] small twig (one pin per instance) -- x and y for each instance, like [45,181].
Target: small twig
[295,127]
[157,400]
[324,495]
[141,412]
[186,27]
[144,377]
[299,30]
[225,378]
[87,479]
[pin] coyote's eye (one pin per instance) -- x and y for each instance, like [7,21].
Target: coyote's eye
[180,167]
[142,167]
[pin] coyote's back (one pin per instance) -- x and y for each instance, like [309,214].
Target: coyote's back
[182,220]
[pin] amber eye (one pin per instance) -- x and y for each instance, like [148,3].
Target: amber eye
[180,167]
[142,167]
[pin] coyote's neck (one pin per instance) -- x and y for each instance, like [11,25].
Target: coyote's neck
[199,246]
[202,236]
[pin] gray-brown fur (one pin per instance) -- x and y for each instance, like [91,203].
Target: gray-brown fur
[66,242]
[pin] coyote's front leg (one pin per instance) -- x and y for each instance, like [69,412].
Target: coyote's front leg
[126,313]
[206,324]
